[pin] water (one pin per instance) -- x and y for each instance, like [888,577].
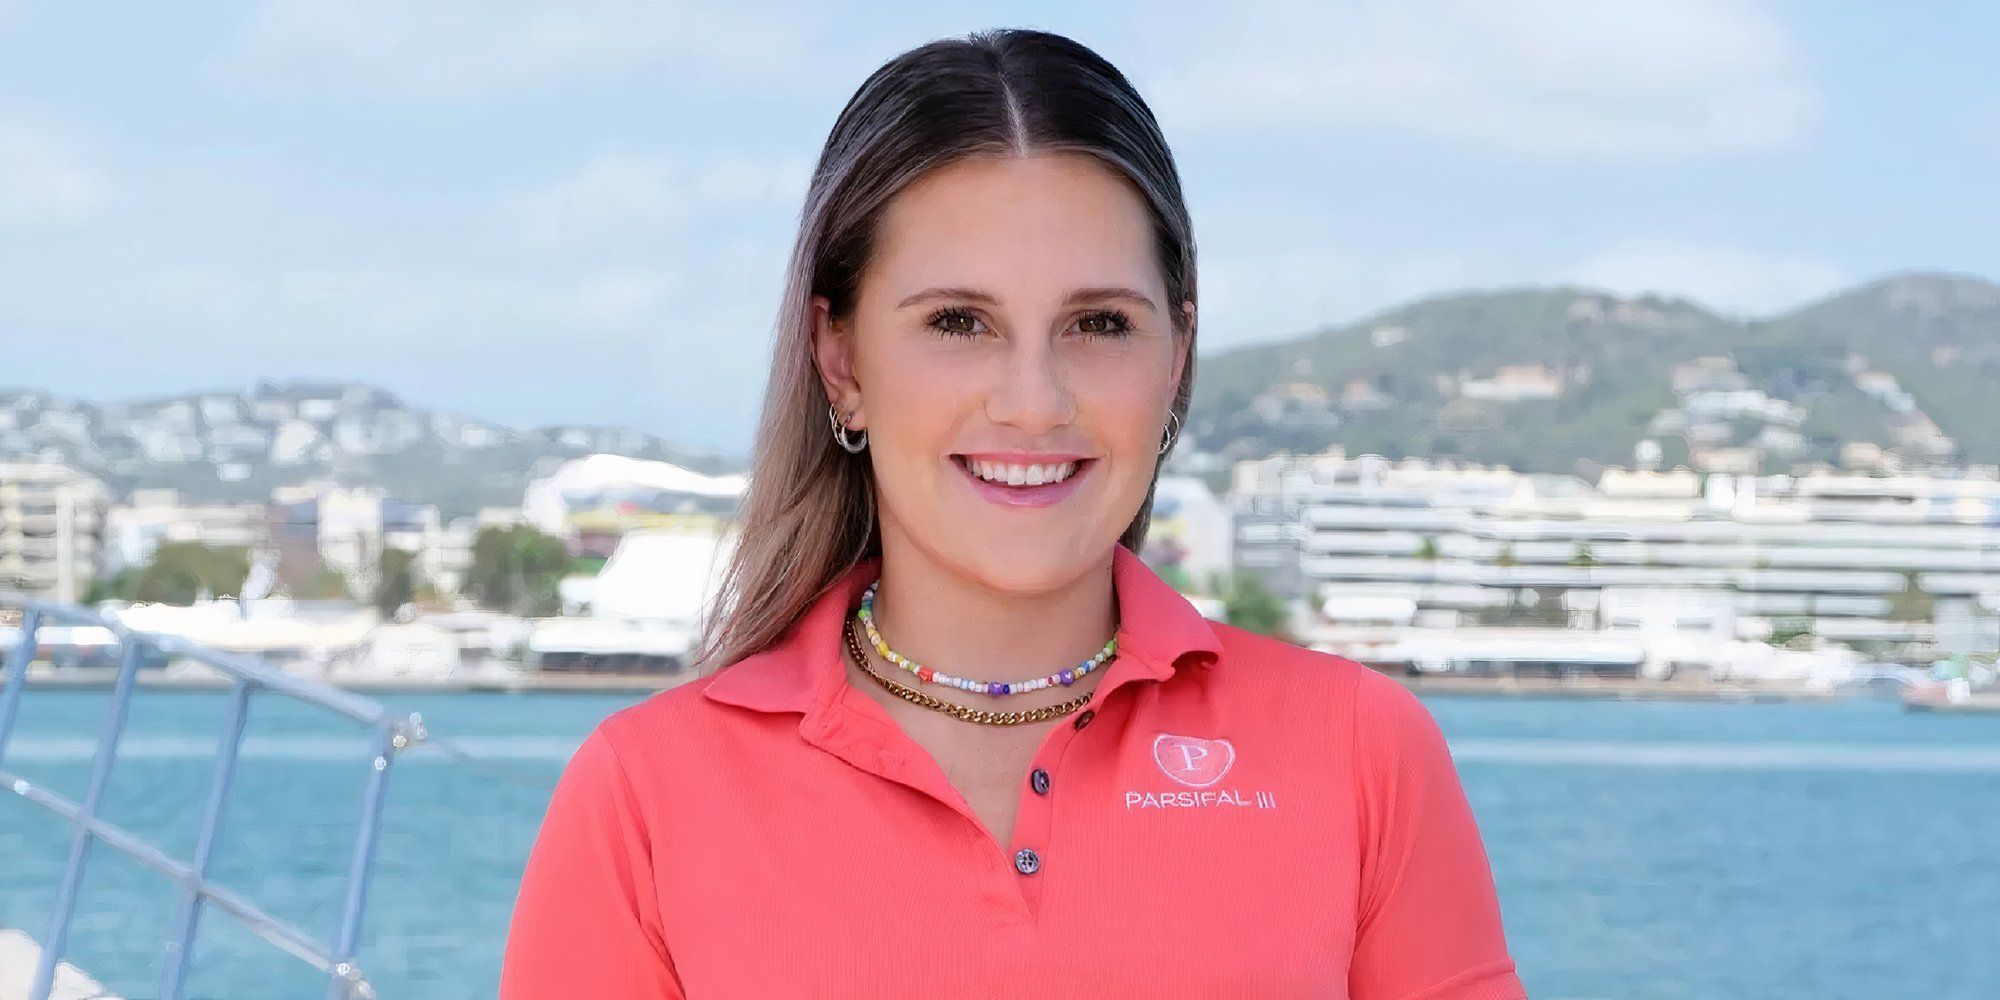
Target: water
[1642,850]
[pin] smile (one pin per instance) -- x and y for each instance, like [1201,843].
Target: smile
[1018,482]
[1018,475]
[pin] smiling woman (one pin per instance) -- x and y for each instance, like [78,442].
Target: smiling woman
[1039,341]
[1042,773]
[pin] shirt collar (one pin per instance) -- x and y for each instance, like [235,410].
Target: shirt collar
[1157,628]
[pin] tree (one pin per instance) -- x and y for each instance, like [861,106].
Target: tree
[517,570]
[178,574]
[109,588]
[325,584]
[1914,603]
[426,595]
[395,583]
[1530,606]
[1792,635]
[1248,604]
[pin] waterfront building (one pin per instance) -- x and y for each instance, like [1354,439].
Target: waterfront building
[52,521]
[642,612]
[1693,561]
[348,528]
[135,530]
[593,501]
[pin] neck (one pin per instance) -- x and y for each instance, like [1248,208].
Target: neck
[960,626]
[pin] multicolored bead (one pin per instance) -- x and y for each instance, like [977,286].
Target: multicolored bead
[1064,677]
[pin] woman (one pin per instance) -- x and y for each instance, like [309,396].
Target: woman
[960,741]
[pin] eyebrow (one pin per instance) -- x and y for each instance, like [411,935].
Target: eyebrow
[1080,296]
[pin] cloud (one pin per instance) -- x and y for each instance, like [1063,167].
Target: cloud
[625,198]
[47,176]
[1538,78]
[470,48]
[637,288]
[1262,291]
[1730,279]
[1275,266]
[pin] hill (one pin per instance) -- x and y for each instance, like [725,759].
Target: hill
[1892,374]
[227,446]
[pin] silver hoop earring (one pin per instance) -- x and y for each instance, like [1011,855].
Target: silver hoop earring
[843,435]
[1173,431]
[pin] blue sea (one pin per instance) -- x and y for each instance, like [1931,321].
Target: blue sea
[1642,849]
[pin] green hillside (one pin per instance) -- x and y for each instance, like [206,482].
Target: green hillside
[1568,379]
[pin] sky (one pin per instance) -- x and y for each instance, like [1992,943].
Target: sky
[579,212]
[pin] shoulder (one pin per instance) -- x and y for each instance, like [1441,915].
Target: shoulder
[680,712]
[627,760]
[1379,711]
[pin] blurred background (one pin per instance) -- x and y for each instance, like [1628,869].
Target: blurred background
[1622,377]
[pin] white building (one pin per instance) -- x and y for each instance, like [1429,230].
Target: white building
[597,482]
[643,610]
[51,529]
[1190,530]
[594,501]
[350,527]
[135,530]
[1845,558]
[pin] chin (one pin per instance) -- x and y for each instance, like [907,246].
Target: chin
[1009,566]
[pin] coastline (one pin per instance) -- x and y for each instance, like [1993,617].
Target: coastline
[85,678]
[88,678]
[1624,689]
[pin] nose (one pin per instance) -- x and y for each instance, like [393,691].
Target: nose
[1030,390]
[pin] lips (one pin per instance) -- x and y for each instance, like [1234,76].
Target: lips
[1024,495]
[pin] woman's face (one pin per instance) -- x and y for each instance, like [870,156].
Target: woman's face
[1011,329]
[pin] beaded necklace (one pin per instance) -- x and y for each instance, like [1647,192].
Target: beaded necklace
[980,715]
[1063,677]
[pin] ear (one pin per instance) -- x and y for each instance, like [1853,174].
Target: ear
[1183,345]
[833,349]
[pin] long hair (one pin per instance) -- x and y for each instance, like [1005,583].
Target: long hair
[808,513]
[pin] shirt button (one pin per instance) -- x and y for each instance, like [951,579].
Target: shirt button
[1039,779]
[1027,862]
[1083,718]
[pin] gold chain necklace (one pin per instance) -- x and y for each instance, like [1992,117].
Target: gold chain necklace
[983,716]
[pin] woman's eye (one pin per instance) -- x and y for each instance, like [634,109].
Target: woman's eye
[955,322]
[1108,323]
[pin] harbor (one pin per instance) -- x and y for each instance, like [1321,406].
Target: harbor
[1643,584]
[1728,836]
[1658,690]
[519,682]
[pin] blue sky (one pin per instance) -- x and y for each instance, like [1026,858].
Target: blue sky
[579,212]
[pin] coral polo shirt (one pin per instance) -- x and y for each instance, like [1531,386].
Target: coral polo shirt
[1229,816]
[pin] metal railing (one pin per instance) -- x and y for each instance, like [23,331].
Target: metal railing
[390,735]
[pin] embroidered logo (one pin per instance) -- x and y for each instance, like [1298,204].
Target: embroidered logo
[1191,760]
[1196,763]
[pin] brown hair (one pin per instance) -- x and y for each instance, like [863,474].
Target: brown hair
[808,514]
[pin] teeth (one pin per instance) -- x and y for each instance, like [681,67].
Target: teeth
[1022,475]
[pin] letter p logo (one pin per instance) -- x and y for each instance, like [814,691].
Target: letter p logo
[1191,760]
